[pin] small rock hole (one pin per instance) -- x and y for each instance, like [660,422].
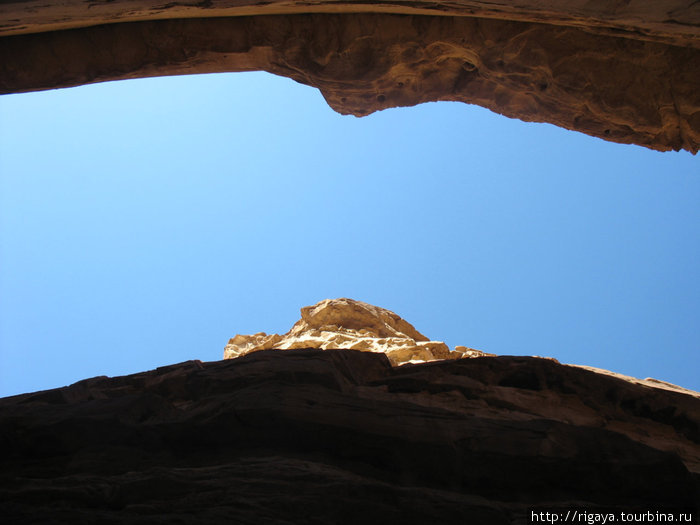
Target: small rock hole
[607,132]
[381,98]
[468,66]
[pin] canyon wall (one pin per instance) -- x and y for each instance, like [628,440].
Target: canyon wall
[353,416]
[628,72]
[341,436]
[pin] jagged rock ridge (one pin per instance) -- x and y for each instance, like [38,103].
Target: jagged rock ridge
[353,325]
[628,74]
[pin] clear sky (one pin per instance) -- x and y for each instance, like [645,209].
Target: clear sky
[144,223]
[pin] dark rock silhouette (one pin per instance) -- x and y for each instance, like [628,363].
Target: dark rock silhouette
[341,436]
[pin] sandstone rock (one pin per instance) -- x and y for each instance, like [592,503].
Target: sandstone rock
[671,21]
[354,325]
[628,73]
[340,436]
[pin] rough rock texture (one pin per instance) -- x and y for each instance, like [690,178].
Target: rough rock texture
[340,436]
[353,325]
[671,21]
[627,72]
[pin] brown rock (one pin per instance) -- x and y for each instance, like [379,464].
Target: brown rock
[672,21]
[346,323]
[339,436]
[628,73]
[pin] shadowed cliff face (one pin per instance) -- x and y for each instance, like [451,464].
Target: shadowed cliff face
[671,21]
[629,74]
[341,436]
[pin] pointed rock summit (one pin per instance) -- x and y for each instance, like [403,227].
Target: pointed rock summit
[352,325]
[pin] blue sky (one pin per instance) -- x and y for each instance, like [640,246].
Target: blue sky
[144,223]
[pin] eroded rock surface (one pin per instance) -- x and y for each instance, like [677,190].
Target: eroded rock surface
[671,21]
[627,73]
[341,436]
[354,325]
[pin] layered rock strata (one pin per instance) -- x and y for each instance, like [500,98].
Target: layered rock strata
[353,325]
[341,436]
[671,21]
[628,74]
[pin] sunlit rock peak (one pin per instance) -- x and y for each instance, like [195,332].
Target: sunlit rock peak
[353,325]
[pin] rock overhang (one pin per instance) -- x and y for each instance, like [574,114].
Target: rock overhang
[508,433]
[628,75]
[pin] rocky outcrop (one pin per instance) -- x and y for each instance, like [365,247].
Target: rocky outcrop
[353,325]
[341,436]
[628,73]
